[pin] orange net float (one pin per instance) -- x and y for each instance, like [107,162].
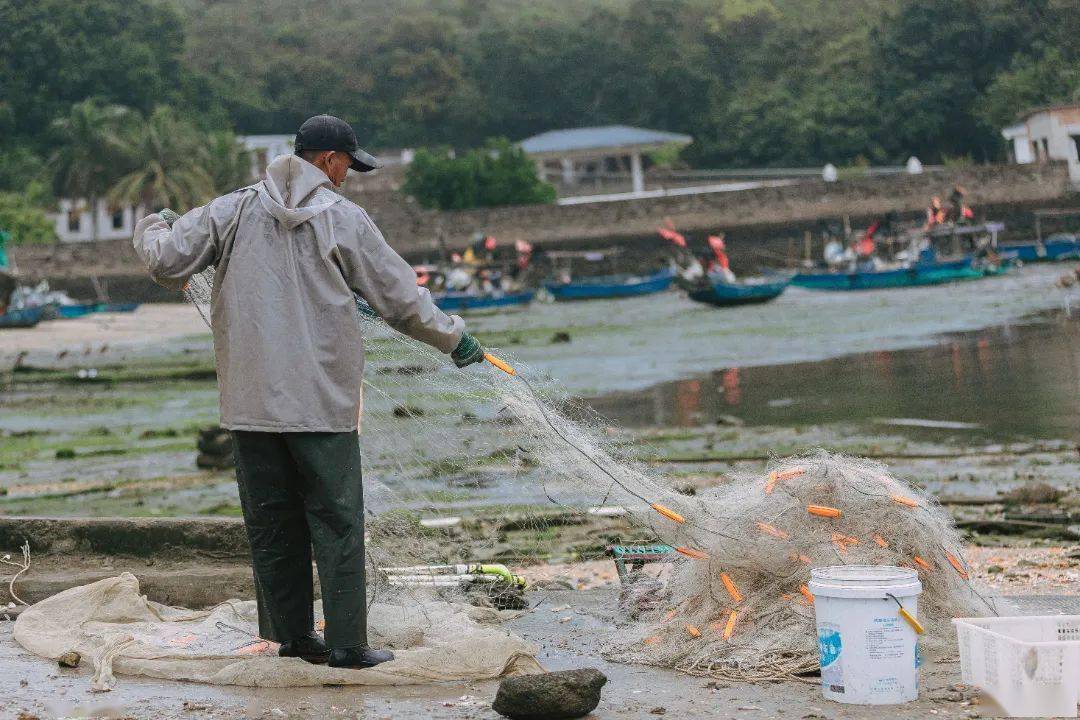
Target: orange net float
[652,640]
[823,511]
[882,542]
[691,553]
[776,476]
[807,594]
[905,501]
[774,531]
[693,631]
[668,513]
[669,616]
[736,596]
[845,539]
[729,628]
[957,565]
[922,563]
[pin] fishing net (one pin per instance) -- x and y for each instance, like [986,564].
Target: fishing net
[463,467]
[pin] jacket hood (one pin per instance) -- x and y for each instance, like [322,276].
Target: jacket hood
[291,190]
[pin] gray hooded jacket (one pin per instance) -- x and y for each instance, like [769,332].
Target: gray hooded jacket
[289,253]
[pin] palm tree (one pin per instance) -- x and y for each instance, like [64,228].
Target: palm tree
[89,145]
[165,166]
[227,162]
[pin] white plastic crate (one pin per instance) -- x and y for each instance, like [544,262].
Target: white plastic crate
[1028,665]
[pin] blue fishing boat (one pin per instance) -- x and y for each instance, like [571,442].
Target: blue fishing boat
[68,312]
[917,274]
[116,307]
[21,318]
[454,301]
[1054,248]
[611,286]
[713,290]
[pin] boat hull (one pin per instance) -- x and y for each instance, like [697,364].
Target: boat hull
[466,302]
[725,294]
[1051,250]
[24,318]
[914,276]
[611,288]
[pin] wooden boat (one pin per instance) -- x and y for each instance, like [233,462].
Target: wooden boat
[1054,248]
[22,318]
[716,291]
[454,301]
[611,286]
[915,275]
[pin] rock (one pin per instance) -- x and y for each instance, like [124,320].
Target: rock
[560,337]
[659,710]
[70,659]
[730,420]
[995,570]
[1034,493]
[214,441]
[550,696]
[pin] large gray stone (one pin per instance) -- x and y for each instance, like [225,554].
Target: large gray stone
[550,696]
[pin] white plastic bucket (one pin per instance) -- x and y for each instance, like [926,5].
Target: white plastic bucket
[869,654]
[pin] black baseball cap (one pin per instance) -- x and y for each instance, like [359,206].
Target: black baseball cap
[326,132]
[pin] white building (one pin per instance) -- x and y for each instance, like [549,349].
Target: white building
[581,153]
[1045,134]
[75,223]
[264,148]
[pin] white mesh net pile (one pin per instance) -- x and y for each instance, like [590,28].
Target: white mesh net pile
[443,446]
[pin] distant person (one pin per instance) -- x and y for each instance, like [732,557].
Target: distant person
[935,214]
[835,255]
[289,255]
[722,266]
[959,210]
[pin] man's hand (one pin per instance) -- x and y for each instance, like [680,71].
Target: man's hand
[467,352]
[168,216]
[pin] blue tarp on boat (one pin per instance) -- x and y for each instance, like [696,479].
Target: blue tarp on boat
[464,301]
[611,286]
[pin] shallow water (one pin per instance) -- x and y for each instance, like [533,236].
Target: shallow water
[1005,382]
[635,343]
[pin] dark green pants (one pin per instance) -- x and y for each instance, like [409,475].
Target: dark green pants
[300,490]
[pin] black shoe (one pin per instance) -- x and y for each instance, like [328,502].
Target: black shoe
[309,647]
[359,657]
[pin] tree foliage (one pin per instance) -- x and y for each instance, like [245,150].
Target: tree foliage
[498,174]
[24,220]
[756,82]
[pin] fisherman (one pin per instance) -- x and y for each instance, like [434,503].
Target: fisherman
[935,214]
[289,255]
[722,266]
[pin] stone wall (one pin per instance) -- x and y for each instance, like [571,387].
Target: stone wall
[413,230]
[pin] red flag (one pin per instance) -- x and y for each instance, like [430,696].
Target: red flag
[672,236]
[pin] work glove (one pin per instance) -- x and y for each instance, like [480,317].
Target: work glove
[467,352]
[168,216]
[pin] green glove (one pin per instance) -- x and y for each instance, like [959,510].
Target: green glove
[168,216]
[467,352]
